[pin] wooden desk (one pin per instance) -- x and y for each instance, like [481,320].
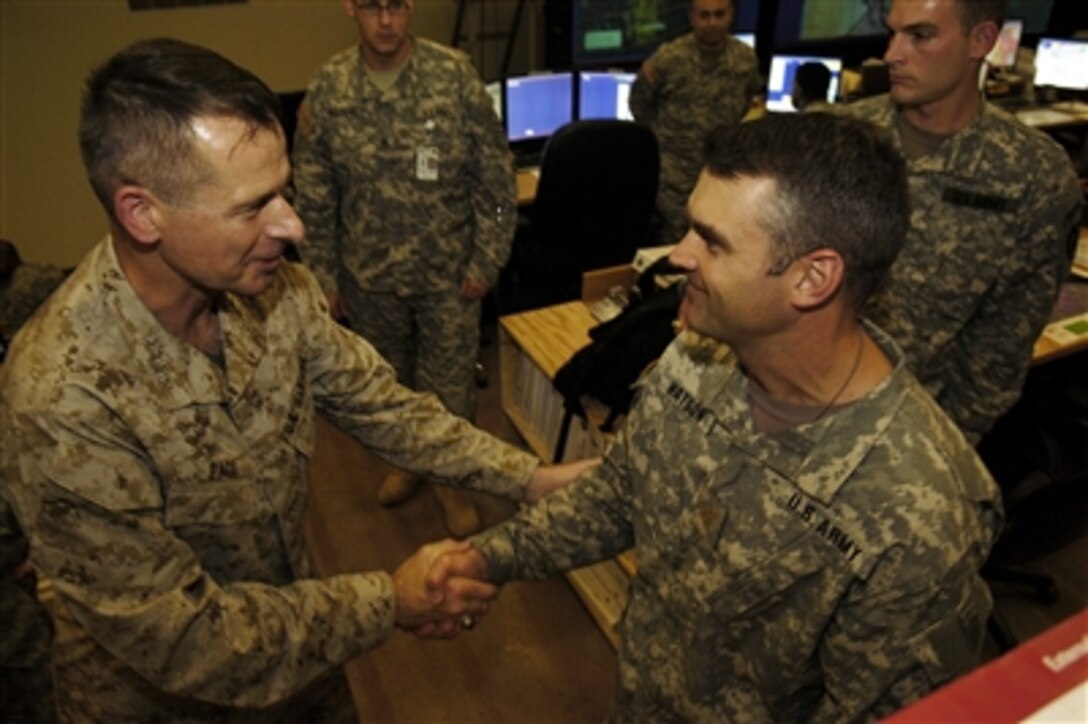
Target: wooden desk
[527,179]
[1067,332]
[1068,329]
[1046,118]
[1043,679]
[533,346]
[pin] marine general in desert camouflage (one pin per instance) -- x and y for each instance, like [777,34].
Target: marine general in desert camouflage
[406,186]
[808,525]
[995,207]
[159,414]
[686,88]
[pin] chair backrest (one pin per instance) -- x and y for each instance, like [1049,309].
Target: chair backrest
[594,203]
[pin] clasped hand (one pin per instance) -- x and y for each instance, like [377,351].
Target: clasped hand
[442,589]
[439,586]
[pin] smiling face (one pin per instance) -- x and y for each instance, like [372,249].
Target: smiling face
[931,56]
[731,293]
[230,231]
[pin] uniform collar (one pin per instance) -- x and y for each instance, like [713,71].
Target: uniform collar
[819,457]
[960,153]
[182,374]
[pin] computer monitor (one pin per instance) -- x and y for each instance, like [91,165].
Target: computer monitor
[537,105]
[494,89]
[604,32]
[780,80]
[1062,63]
[604,94]
[748,39]
[1007,46]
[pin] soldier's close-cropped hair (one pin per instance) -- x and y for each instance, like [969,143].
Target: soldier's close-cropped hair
[138,107]
[839,184]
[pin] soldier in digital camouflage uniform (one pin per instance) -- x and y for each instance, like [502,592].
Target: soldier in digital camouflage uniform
[406,186]
[687,87]
[23,287]
[995,205]
[808,525]
[159,414]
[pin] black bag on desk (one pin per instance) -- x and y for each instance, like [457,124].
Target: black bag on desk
[618,352]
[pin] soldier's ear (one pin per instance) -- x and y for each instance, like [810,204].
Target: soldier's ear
[818,277]
[137,212]
[982,38]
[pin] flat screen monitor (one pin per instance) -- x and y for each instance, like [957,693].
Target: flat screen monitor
[615,31]
[604,94]
[1007,46]
[1062,63]
[748,39]
[494,89]
[537,105]
[807,20]
[780,80]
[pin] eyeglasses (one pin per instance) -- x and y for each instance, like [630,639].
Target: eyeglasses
[373,9]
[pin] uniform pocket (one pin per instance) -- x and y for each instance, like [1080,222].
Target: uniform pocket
[213,503]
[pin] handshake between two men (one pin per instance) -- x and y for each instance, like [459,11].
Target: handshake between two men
[442,589]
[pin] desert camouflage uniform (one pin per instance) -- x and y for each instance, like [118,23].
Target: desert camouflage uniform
[692,93]
[24,292]
[829,572]
[26,684]
[165,496]
[992,212]
[396,244]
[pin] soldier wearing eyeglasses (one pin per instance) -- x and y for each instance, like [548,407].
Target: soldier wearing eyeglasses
[406,186]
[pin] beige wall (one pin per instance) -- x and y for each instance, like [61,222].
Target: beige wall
[47,48]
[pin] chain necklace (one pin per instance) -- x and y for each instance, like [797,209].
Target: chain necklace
[757,398]
[846,382]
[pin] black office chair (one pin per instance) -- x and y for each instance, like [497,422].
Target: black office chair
[594,207]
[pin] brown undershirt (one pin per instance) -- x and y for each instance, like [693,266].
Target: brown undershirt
[771,416]
[916,142]
[384,79]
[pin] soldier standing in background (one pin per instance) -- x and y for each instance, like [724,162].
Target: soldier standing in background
[808,525]
[995,207]
[685,89]
[407,189]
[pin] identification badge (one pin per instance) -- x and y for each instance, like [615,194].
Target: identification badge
[427,163]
